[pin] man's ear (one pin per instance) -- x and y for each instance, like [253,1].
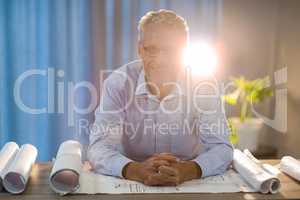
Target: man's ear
[140,49]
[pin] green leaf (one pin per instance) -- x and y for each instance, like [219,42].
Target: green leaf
[248,91]
[233,136]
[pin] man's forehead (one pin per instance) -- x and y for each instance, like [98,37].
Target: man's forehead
[165,34]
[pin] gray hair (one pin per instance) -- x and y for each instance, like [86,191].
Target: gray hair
[162,17]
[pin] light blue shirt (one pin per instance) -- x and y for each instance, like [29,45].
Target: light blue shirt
[131,124]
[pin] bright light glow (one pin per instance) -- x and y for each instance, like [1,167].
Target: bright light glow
[201,58]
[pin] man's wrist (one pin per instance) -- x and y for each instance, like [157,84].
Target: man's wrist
[131,171]
[198,169]
[194,169]
[125,170]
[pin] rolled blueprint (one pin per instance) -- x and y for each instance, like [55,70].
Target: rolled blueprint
[16,177]
[290,166]
[7,155]
[64,177]
[254,174]
[267,167]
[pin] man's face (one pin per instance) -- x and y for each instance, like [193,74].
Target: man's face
[161,49]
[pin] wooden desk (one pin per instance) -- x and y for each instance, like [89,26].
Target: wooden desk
[39,189]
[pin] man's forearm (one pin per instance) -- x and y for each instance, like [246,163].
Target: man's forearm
[189,170]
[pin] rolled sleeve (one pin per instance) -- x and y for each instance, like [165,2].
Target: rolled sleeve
[117,165]
[112,165]
[215,161]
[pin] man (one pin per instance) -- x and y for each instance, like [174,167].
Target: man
[147,127]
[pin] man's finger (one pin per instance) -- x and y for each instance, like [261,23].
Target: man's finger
[168,170]
[164,154]
[161,180]
[164,179]
[151,168]
[158,163]
[169,158]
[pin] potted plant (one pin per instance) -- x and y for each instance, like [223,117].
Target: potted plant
[245,128]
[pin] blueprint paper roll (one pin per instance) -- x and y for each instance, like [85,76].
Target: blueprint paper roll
[254,174]
[16,177]
[267,167]
[271,169]
[64,177]
[7,155]
[290,166]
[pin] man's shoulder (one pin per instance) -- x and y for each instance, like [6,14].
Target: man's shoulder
[132,68]
[124,75]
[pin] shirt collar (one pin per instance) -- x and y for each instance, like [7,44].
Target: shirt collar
[141,88]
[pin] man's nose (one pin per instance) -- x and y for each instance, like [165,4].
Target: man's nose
[160,58]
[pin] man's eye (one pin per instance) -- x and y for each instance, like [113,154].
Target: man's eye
[154,50]
[151,49]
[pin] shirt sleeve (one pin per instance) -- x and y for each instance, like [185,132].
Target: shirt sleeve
[106,133]
[213,133]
